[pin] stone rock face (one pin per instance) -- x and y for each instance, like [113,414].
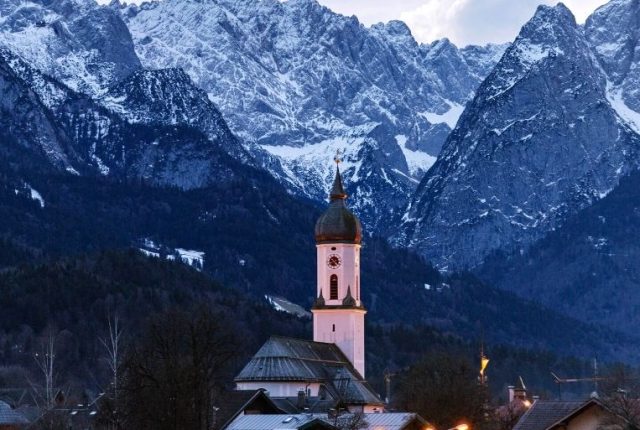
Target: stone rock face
[298,83]
[50,126]
[540,141]
[588,268]
[85,46]
[169,97]
[613,31]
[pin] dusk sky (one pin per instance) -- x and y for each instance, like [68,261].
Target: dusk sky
[462,21]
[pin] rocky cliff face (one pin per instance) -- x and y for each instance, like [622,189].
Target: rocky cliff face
[298,83]
[61,130]
[613,32]
[85,46]
[587,268]
[541,140]
[169,97]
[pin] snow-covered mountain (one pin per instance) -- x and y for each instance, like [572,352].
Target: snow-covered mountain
[169,97]
[614,34]
[147,91]
[298,83]
[49,128]
[85,46]
[549,132]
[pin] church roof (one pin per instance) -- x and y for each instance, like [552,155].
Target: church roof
[287,359]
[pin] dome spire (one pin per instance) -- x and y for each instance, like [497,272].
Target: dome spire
[337,224]
[337,190]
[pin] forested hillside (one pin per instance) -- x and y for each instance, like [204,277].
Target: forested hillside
[74,298]
[588,268]
[259,240]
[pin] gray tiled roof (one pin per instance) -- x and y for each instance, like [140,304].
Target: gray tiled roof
[10,416]
[543,414]
[379,421]
[235,402]
[286,359]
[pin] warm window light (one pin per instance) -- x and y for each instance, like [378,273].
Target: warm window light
[527,404]
[462,426]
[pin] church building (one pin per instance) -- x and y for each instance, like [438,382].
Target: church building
[325,374]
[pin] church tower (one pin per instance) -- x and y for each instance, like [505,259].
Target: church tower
[338,313]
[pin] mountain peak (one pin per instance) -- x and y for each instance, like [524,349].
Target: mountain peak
[549,23]
[559,11]
[398,28]
[538,142]
[442,47]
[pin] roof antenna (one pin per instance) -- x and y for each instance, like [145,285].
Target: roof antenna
[595,377]
[524,387]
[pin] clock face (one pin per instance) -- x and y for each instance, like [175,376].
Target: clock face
[334,261]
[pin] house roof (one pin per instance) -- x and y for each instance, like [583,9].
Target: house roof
[377,421]
[312,405]
[296,360]
[235,402]
[544,414]
[10,416]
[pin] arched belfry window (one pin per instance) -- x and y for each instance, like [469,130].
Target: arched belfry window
[333,287]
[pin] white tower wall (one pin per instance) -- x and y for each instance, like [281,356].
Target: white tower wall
[333,322]
[348,272]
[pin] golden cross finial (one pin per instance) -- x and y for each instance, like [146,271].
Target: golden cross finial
[337,158]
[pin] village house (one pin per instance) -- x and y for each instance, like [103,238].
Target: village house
[592,414]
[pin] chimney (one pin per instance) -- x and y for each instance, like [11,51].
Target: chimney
[520,392]
[511,389]
[301,399]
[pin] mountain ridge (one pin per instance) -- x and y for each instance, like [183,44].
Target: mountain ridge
[298,83]
[490,188]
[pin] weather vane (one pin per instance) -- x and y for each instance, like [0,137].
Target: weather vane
[337,158]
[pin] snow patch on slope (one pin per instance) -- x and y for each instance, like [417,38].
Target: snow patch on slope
[450,117]
[189,257]
[416,160]
[35,195]
[628,115]
[283,305]
[312,159]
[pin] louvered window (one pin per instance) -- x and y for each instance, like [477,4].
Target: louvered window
[333,287]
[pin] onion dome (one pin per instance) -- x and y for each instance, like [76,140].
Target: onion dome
[338,224]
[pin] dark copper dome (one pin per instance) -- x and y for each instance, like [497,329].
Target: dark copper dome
[338,224]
